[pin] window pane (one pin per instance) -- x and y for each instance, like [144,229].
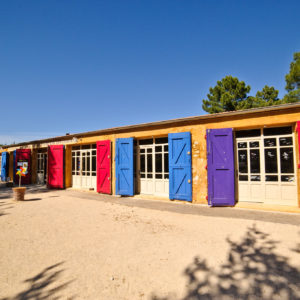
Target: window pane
[166,176]
[75,147]
[287,160]
[73,153]
[86,147]
[277,130]
[288,178]
[161,140]
[142,163]
[94,163]
[248,133]
[243,161]
[255,177]
[146,142]
[270,142]
[149,150]
[142,151]
[158,148]
[142,175]
[158,162]
[243,177]
[271,161]
[88,164]
[286,141]
[94,152]
[254,161]
[83,164]
[271,178]
[149,162]
[149,175]
[73,163]
[242,145]
[254,144]
[158,176]
[166,148]
[77,163]
[94,146]
[166,163]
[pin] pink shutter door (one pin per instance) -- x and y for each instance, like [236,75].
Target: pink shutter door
[56,166]
[104,167]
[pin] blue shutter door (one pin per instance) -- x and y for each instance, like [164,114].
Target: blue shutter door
[180,166]
[124,167]
[220,167]
[4,166]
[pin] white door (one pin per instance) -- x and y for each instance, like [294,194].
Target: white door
[266,166]
[41,167]
[84,167]
[153,167]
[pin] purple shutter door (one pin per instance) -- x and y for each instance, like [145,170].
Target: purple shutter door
[220,167]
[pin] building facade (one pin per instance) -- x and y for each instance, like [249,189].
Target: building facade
[221,159]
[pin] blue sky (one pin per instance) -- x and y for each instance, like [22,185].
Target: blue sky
[73,66]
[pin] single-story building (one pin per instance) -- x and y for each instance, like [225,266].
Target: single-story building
[217,159]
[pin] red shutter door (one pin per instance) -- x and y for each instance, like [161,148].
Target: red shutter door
[104,167]
[56,166]
[22,156]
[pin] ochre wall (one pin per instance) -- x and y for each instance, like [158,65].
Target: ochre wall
[198,131]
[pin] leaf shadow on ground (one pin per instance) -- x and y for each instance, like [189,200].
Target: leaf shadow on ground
[253,270]
[3,207]
[43,285]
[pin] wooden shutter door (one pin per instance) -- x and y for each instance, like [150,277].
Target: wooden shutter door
[124,167]
[104,167]
[220,167]
[56,166]
[180,166]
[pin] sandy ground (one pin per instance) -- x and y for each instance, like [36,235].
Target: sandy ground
[57,246]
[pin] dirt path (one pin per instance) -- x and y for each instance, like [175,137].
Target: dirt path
[62,246]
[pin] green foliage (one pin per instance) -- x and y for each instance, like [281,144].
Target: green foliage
[231,94]
[226,95]
[293,81]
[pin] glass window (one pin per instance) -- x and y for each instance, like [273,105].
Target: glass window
[254,144]
[86,147]
[271,178]
[142,151]
[158,148]
[94,152]
[270,142]
[94,163]
[158,176]
[158,162]
[75,147]
[254,161]
[243,161]
[73,163]
[94,146]
[247,133]
[149,163]
[277,131]
[166,176]
[142,175]
[286,141]
[163,140]
[288,178]
[243,177]
[146,142]
[242,145]
[166,148]
[271,161]
[88,164]
[255,177]
[166,163]
[149,175]
[287,160]
[142,161]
